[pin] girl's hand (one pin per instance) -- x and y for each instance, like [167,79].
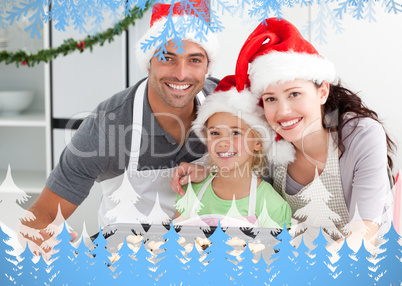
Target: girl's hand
[185,172]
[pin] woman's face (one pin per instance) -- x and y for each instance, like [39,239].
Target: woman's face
[231,142]
[293,108]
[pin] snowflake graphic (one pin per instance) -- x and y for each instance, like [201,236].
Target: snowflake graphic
[87,16]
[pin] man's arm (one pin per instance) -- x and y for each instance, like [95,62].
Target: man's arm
[46,206]
[45,209]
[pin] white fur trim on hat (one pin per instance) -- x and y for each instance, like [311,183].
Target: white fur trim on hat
[281,152]
[210,45]
[245,106]
[280,67]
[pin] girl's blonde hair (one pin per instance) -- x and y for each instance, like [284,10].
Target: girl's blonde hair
[260,160]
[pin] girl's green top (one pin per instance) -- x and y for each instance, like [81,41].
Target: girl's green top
[271,209]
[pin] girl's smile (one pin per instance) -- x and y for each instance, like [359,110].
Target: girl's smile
[226,155]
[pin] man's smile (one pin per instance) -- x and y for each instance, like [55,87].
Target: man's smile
[178,86]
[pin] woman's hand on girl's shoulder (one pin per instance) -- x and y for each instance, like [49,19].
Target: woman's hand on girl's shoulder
[186,172]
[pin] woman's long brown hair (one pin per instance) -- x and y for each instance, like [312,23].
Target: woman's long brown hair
[341,101]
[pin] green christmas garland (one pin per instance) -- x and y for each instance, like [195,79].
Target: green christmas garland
[70,45]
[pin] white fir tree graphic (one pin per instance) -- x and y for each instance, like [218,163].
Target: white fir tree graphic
[11,196]
[54,229]
[188,205]
[84,238]
[315,214]
[388,215]
[12,214]
[157,215]
[358,231]
[264,219]
[125,198]
[234,218]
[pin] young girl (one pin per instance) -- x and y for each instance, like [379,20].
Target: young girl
[333,132]
[238,138]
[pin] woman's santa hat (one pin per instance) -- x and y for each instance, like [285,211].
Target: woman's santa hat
[277,52]
[179,16]
[244,105]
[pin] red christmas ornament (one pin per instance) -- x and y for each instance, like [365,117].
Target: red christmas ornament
[81,45]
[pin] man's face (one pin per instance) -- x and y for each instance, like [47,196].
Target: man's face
[178,79]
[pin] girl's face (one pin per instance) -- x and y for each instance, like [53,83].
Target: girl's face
[293,109]
[231,142]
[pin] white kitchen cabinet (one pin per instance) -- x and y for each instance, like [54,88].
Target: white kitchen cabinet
[24,138]
[70,86]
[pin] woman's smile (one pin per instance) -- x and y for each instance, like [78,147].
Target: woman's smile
[291,123]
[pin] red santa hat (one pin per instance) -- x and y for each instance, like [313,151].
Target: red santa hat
[277,52]
[179,16]
[226,98]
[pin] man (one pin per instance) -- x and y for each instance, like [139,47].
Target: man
[143,130]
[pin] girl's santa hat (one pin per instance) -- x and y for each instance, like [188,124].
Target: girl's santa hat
[245,106]
[180,17]
[277,52]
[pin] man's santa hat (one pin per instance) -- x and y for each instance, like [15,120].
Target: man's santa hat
[179,16]
[277,52]
[226,98]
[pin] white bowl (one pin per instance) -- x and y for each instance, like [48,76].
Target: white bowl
[13,102]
